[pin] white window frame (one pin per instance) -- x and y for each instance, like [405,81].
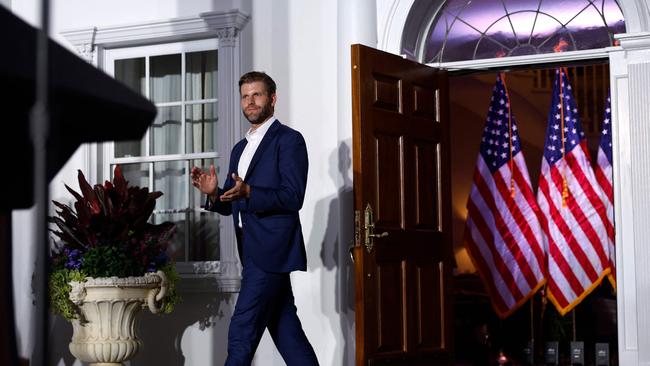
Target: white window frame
[219,30]
[146,52]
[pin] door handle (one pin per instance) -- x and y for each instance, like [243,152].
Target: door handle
[382,235]
[369,226]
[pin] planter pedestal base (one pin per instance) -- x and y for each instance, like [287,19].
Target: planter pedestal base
[105,333]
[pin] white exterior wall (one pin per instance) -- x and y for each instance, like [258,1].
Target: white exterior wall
[304,46]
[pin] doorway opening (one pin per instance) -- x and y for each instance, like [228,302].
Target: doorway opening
[480,336]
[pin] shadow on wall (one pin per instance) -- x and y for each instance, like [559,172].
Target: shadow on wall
[60,336]
[162,335]
[334,249]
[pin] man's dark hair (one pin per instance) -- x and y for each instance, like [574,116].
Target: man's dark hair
[253,76]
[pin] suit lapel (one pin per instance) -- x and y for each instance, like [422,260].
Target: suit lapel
[268,137]
[236,155]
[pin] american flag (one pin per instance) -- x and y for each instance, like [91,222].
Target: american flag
[502,232]
[573,217]
[603,171]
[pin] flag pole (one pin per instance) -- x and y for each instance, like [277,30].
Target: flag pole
[565,188]
[573,323]
[532,319]
[532,330]
[512,161]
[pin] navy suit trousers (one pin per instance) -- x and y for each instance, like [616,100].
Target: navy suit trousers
[266,301]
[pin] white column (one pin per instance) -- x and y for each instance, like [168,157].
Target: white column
[230,118]
[357,24]
[630,85]
[83,41]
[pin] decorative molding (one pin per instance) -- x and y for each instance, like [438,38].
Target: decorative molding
[639,87]
[636,15]
[198,268]
[233,18]
[220,276]
[545,58]
[634,41]
[87,52]
[624,218]
[204,25]
[393,25]
[227,36]
[208,283]
[83,41]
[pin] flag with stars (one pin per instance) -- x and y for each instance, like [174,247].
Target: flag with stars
[603,171]
[502,232]
[573,217]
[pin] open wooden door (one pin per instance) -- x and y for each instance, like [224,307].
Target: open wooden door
[403,248]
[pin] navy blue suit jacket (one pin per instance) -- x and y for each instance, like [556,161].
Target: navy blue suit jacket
[271,234]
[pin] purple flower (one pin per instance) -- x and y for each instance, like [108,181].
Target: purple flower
[74,258]
[159,261]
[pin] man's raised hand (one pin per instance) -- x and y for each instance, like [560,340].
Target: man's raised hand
[206,183]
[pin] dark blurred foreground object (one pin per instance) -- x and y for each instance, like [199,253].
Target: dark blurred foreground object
[85,105]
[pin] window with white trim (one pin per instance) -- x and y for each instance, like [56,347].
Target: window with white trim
[189,67]
[181,80]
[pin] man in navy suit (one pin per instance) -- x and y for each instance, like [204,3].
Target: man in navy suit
[272,160]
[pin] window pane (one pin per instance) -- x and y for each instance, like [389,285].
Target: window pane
[589,40]
[136,174]
[200,127]
[563,11]
[523,24]
[176,248]
[503,34]
[201,75]
[170,177]
[205,231]
[204,236]
[165,133]
[132,73]
[197,199]
[514,6]
[165,75]
[124,149]
[437,38]
[455,46]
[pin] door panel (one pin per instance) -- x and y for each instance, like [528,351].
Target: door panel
[401,194]
[430,322]
[391,324]
[389,186]
[425,161]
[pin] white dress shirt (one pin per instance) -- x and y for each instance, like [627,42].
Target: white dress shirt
[254,137]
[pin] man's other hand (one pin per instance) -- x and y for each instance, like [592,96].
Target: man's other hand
[240,190]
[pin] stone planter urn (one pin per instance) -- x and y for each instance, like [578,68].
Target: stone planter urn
[105,332]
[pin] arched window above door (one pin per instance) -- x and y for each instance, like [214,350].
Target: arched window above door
[456,30]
